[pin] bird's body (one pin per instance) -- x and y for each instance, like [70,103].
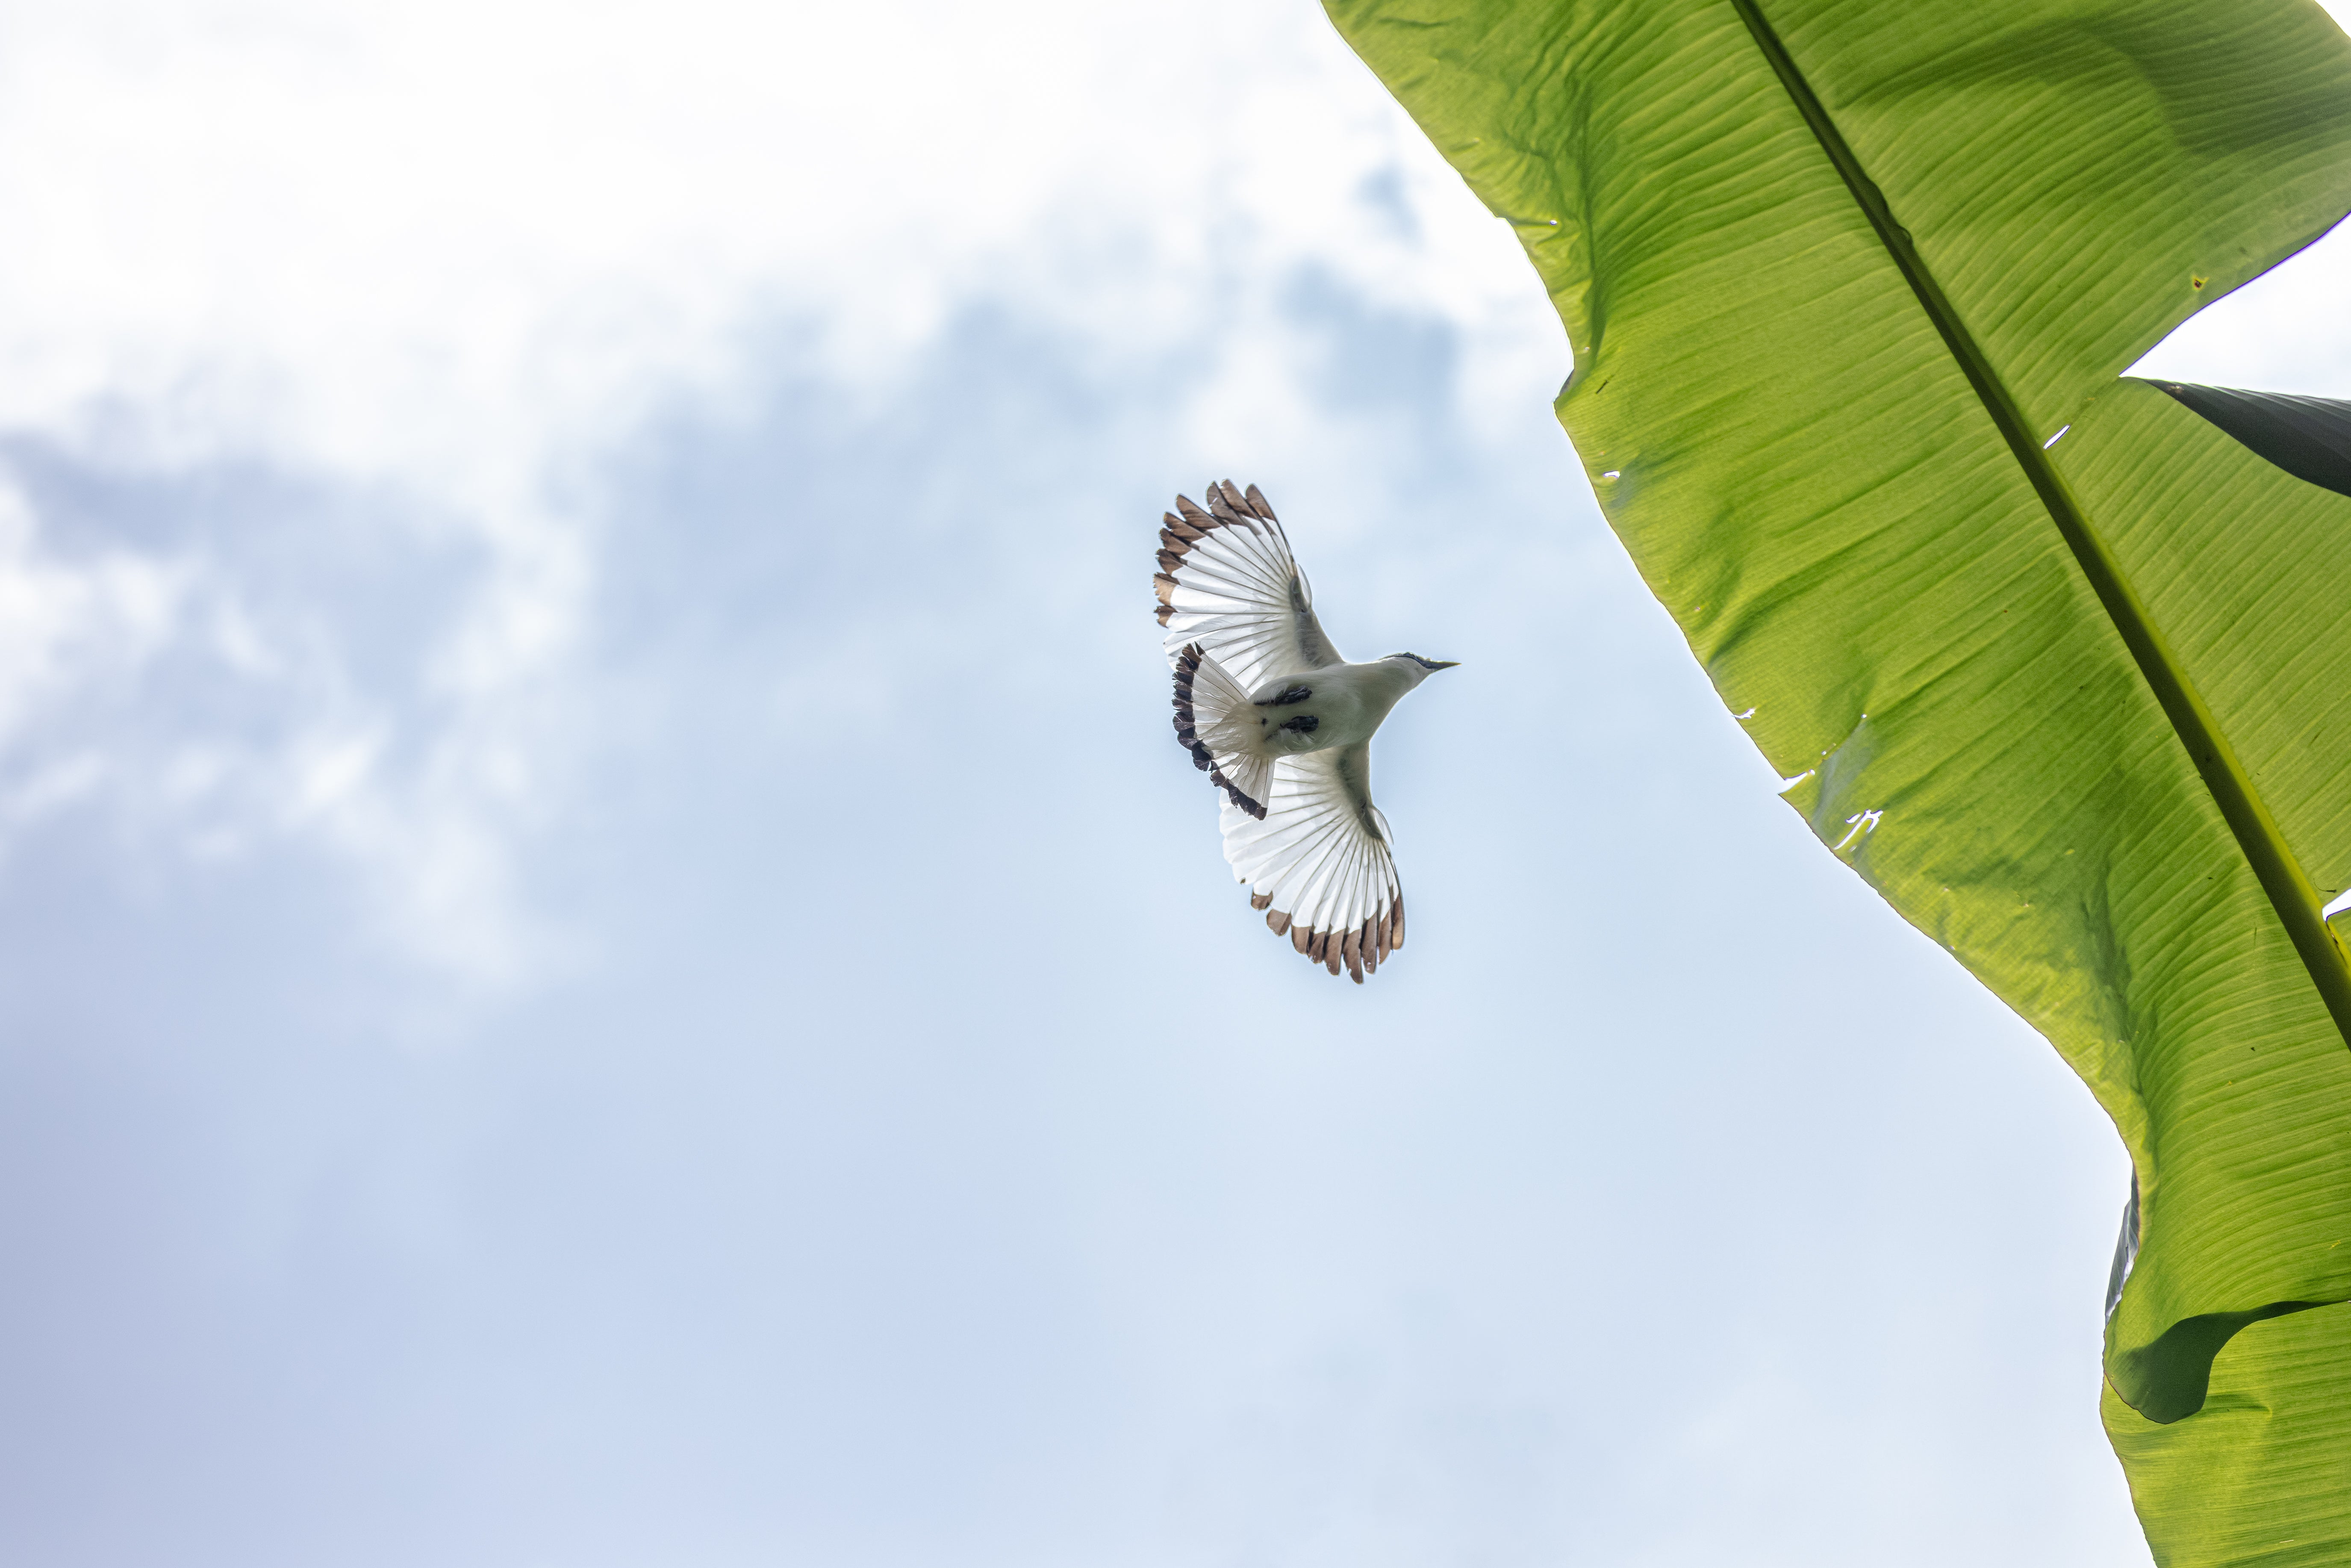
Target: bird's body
[1282,723]
[1335,705]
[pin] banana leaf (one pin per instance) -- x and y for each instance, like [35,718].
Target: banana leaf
[2048,655]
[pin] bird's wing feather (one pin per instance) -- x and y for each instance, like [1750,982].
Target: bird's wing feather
[1212,719]
[1320,862]
[1227,582]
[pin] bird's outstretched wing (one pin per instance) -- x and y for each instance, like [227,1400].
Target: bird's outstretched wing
[1227,582]
[1322,862]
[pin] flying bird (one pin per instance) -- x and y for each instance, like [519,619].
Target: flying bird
[1282,725]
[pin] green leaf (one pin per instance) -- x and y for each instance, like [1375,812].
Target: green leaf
[2048,656]
[2309,437]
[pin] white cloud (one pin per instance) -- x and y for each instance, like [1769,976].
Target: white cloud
[453,253]
[447,241]
[68,623]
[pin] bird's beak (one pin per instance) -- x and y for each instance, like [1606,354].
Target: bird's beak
[1443,663]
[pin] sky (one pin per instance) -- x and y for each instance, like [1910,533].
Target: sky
[606,957]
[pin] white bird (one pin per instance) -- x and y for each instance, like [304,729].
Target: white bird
[1283,726]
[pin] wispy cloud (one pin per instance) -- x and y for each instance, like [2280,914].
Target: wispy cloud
[449,259]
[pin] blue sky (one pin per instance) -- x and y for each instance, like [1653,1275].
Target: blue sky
[608,959]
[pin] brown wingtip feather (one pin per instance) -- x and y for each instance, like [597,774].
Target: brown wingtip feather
[1189,524]
[1243,506]
[1226,506]
[1359,950]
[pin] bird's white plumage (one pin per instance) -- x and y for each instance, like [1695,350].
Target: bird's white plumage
[1214,716]
[1300,828]
[1236,590]
[1322,859]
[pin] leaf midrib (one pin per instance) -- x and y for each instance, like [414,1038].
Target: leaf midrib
[2273,865]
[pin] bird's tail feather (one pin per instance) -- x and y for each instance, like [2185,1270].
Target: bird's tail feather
[1212,715]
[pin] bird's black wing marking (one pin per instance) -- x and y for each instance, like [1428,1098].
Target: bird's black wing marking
[1204,694]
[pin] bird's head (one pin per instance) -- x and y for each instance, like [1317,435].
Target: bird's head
[1418,668]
